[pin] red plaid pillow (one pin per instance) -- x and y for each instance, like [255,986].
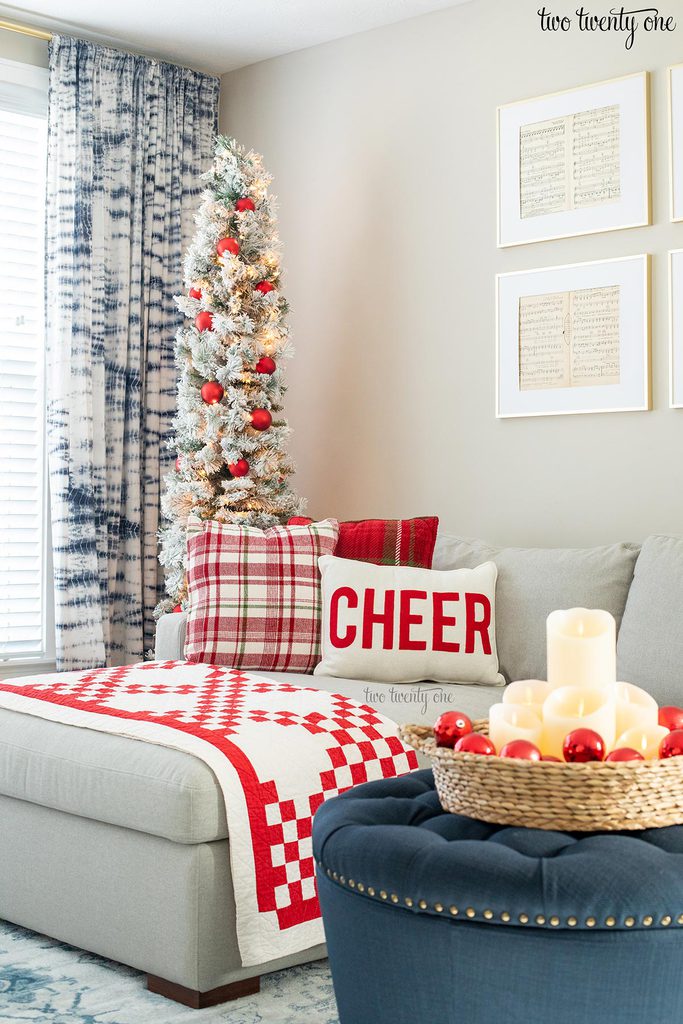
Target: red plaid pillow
[386,541]
[254,595]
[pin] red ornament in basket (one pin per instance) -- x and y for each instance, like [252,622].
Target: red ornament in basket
[450,727]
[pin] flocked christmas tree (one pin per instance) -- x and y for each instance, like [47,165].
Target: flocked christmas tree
[229,432]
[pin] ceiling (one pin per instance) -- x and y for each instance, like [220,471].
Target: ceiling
[217,35]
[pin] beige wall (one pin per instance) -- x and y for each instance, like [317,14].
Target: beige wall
[14,46]
[383,150]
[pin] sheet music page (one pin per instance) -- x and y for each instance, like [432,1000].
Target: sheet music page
[569,339]
[544,343]
[595,352]
[570,162]
[543,184]
[596,156]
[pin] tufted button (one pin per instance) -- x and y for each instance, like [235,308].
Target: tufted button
[590,922]
[454,911]
[610,922]
[572,922]
[629,922]
[554,921]
[540,919]
[471,912]
[523,918]
[666,921]
[505,916]
[488,914]
[647,921]
[438,907]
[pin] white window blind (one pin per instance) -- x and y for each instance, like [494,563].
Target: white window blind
[24,604]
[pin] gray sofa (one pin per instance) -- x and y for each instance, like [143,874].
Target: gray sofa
[121,847]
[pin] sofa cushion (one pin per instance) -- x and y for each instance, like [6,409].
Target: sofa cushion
[166,792]
[116,779]
[532,582]
[650,647]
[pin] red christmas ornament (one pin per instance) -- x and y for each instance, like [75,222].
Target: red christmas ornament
[230,245]
[671,717]
[239,468]
[178,608]
[212,392]
[549,757]
[672,745]
[203,321]
[583,745]
[264,287]
[450,727]
[195,293]
[261,419]
[265,365]
[522,749]
[474,743]
[624,754]
[244,204]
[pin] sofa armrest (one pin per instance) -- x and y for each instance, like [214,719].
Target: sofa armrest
[170,637]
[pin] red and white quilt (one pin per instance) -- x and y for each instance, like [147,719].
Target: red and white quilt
[277,750]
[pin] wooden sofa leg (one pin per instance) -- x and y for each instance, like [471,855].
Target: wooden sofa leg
[200,1000]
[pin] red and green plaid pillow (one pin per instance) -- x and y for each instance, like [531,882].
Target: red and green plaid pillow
[254,595]
[386,541]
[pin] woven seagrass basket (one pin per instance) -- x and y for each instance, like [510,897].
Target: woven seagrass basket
[587,797]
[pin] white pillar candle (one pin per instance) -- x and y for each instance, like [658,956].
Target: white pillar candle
[577,707]
[635,708]
[581,648]
[531,692]
[513,722]
[644,739]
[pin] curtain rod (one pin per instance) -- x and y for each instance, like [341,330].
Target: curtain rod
[25,30]
[41,33]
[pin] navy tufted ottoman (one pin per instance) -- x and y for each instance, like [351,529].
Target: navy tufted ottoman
[435,918]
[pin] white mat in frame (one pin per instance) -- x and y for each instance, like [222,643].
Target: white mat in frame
[530,340]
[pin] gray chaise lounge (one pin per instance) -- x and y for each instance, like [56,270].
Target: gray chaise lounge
[120,847]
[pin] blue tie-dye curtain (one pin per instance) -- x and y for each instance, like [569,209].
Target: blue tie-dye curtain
[129,138]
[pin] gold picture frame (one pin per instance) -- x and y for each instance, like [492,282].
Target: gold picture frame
[675,330]
[634,207]
[675,155]
[632,394]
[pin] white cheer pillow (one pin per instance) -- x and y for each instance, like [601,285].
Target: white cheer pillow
[398,624]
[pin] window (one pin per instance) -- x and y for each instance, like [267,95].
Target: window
[25,608]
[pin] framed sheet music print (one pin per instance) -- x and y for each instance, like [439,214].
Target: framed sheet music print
[676,140]
[676,328]
[574,339]
[575,162]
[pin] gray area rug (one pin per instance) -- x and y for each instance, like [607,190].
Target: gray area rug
[45,982]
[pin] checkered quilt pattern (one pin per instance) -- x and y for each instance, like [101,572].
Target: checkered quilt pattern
[278,751]
[254,595]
